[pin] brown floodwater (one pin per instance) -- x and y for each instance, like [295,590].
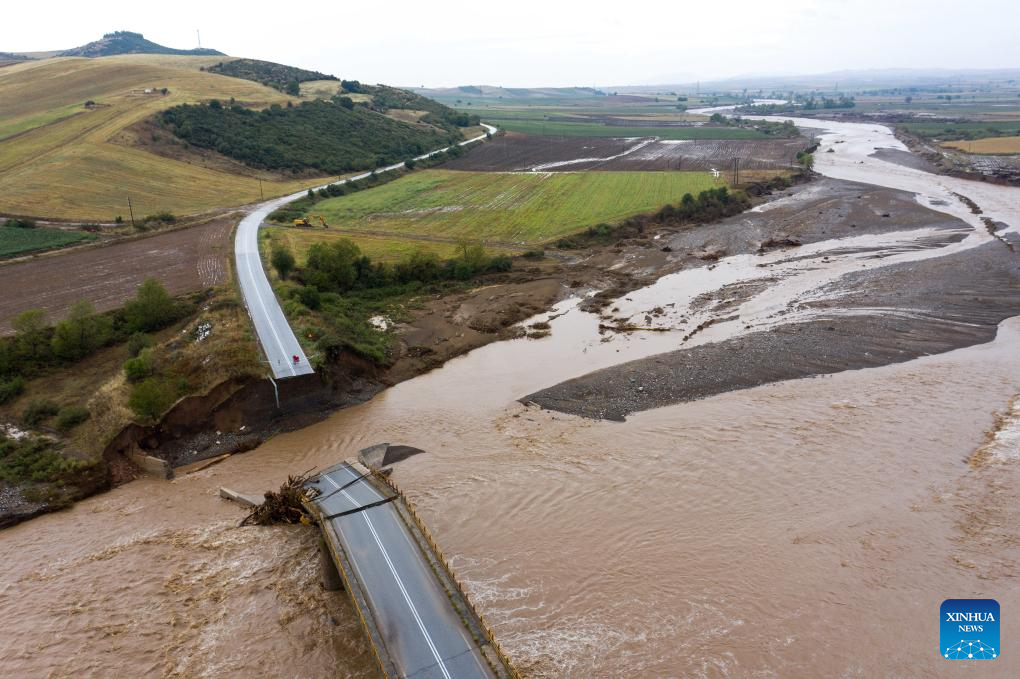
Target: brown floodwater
[805,528]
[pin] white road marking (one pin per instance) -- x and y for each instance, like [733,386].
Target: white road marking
[253,280]
[400,583]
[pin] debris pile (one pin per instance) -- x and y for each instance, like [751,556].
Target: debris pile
[282,506]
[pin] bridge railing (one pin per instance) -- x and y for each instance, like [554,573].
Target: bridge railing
[423,528]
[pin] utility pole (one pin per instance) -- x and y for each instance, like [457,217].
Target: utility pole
[261,195]
[131,212]
[736,171]
[199,34]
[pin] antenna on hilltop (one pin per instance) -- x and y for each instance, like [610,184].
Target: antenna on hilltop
[199,34]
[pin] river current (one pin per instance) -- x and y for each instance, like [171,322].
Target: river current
[804,528]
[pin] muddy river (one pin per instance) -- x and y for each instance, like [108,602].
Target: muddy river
[803,528]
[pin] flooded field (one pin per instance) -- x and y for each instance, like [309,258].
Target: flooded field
[804,527]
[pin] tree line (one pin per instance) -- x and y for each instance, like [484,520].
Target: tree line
[38,347]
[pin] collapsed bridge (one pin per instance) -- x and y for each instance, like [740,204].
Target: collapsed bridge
[416,616]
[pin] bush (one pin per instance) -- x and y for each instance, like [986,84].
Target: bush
[35,460]
[138,368]
[81,333]
[310,297]
[39,410]
[151,309]
[20,223]
[282,260]
[160,218]
[11,389]
[137,342]
[70,417]
[151,398]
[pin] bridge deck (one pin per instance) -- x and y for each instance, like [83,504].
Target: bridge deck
[418,626]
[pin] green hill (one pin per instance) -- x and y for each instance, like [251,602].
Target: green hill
[315,135]
[126,42]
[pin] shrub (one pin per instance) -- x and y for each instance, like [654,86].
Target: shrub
[11,389]
[151,309]
[137,342]
[534,254]
[39,410]
[81,333]
[70,417]
[151,398]
[138,368]
[160,218]
[20,223]
[35,460]
[282,260]
[310,297]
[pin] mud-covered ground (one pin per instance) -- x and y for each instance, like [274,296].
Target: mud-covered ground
[866,318]
[519,152]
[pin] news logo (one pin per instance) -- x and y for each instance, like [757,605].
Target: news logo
[970,629]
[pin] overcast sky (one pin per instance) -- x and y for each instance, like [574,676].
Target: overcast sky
[550,42]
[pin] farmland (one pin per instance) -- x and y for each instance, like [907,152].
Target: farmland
[388,249]
[556,127]
[987,146]
[514,152]
[964,130]
[15,241]
[505,208]
[184,260]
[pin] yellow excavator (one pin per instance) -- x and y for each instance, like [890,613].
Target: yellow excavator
[306,221]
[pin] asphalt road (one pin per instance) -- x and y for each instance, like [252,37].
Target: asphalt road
[424,635]
[279,344]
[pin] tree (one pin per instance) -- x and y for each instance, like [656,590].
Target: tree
[331,266]
[151,309]
[30,327]
[282,260]
[150,399]
[81,333]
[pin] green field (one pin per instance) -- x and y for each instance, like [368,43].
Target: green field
[387,249]
[507,208]
[14,241]
[11,127]
[968,130]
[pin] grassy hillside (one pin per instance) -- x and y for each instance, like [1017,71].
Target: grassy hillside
[61,158]
[519,208]
[66,161]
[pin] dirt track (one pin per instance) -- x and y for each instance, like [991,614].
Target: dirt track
[517,152]
[183,260]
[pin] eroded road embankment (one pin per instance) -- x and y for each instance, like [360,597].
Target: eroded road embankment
[836,276]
